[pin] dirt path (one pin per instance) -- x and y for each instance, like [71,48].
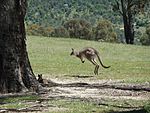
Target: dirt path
[99,89]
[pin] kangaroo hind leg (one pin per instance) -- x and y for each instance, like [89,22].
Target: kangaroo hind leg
[96,66]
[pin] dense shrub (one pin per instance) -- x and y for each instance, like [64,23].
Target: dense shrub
[79,29]
[37,30]
[104,32]
[60,32]
[145,39]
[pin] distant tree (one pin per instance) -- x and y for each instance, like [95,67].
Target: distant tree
[15,70]
[128,9]
[60,32]
[145,39]
[104,32]
[78,29]
[35,29]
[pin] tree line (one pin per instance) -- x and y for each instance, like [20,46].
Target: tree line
[77,28]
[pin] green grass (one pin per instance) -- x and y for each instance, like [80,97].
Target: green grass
[17,102]
[147,107]
[13,100]
[73,105]
[78,106]
[51,56]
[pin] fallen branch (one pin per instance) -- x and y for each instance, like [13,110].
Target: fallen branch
[124,87]
[133,87]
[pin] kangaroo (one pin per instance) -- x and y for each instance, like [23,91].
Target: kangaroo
[40,79]
[45,82]
[90,54]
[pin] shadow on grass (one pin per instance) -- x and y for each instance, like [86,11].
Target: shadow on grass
[131,111]
[128,109]
[79,76]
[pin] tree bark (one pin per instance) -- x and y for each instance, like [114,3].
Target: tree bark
[15,71]
[128,22]
[128,29]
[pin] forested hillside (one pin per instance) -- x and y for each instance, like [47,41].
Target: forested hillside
[56,12]
[85,19]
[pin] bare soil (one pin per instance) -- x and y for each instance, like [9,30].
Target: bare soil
[87,89]
[99,89]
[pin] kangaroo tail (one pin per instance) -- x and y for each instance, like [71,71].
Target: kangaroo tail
[101,62]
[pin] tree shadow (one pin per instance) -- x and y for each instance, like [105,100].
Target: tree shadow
[79,76]
[130,111]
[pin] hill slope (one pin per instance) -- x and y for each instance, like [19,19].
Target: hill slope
[51,56]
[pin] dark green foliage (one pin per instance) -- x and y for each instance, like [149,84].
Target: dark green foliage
[104,32]
[56,12]
[145,39]
[128,10]
[78,29]
[60,32]
[37,30]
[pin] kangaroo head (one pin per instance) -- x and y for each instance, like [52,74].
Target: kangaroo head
[40,79]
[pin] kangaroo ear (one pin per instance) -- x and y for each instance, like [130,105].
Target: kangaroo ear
[39,75]
[72,49]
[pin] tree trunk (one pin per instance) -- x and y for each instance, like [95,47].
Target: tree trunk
[131,26]
[15,71]
[128,30]
[128,23]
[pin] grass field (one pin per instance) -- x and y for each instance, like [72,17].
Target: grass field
[51,56]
